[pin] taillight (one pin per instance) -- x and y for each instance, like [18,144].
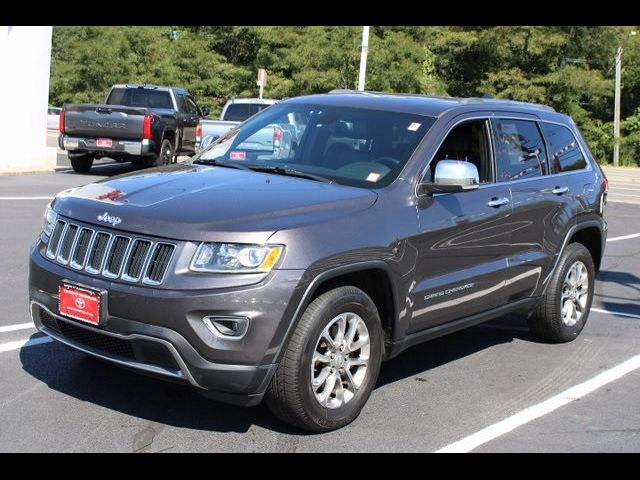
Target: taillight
[61,122]
[147,127]
[606,185]
[277,136]
[199,130]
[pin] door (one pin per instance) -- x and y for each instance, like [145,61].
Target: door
[190,118]
[544,204]
[461,263]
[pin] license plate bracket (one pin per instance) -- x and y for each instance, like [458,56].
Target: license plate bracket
[80,303]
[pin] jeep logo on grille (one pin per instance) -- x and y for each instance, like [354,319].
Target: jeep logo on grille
[110,219]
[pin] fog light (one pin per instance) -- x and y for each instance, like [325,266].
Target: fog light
[227,327]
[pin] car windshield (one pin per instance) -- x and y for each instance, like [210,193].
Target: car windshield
[351,146]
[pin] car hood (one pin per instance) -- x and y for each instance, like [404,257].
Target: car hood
[200,202]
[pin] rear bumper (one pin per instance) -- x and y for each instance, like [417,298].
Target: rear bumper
[72,144]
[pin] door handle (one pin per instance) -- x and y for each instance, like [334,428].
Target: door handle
[497,202]
[560,190]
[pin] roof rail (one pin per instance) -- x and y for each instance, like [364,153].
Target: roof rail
[486,100]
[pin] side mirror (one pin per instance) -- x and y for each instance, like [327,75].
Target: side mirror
[205,111]
[452,176]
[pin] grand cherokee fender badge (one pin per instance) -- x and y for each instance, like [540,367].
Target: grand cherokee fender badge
[112,220]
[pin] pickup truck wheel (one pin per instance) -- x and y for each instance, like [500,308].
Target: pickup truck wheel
[562,313]
[81,163]
[165,155]
[331,363]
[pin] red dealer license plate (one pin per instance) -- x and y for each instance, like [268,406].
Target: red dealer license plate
[104,142]
[79,303]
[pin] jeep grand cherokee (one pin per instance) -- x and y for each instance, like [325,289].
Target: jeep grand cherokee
[290,271]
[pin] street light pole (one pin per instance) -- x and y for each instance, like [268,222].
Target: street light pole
[616,110]
[363,57]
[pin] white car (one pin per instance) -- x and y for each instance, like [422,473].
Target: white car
[53,118]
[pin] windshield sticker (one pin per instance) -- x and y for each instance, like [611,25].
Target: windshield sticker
[373,177]
[234,155]
[414,126]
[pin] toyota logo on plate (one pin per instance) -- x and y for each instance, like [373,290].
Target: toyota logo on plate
[80,303]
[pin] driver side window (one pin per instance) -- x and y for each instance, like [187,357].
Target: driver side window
[468,142]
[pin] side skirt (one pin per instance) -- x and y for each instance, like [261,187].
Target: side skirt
[394,348]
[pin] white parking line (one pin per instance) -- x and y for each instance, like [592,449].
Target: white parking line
[624,237]
[7,347]
[536,411]
[26,198]
[19,326]
[622,314]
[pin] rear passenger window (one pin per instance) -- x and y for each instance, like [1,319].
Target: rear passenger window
[564,152]
[520,149]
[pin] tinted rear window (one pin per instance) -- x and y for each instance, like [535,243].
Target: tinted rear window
[564,152]
[239,112]
[140,97]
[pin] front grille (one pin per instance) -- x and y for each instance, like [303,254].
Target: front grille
[111,256]
[49,320]
[99,341]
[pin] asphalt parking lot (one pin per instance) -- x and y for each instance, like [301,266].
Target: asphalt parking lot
[490,388]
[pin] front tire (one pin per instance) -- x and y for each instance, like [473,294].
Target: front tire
[81,163]
[563,311]
[331,364]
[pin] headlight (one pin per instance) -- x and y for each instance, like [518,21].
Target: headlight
[48,220]
[235,258]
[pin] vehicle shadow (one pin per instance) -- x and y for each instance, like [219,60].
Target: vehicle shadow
[84,378]
[625,303]
[108,168]
[418,360]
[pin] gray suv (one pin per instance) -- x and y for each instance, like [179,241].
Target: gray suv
[290,270]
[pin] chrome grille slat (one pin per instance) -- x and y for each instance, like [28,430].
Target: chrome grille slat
[111,255]
[67,242]
[98,252]
[81,248]
[115,259]
[136,260]
[157,267]
[54,241]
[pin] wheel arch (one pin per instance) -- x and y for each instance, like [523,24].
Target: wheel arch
[373,277]
[591,232]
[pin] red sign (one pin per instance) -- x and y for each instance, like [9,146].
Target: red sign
[104,142]
[79,303]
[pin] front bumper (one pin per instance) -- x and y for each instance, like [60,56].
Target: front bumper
[69,143]
[160,332]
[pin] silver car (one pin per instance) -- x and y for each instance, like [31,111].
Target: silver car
[53,118]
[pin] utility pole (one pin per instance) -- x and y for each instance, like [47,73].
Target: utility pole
[616,105]
[363,57]
[616,110]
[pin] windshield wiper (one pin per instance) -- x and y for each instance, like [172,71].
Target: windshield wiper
[219,163]
[289,172]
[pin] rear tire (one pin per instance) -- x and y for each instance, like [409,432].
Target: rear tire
[563,311]
[81,163]
[165,155]
[309,390]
